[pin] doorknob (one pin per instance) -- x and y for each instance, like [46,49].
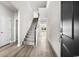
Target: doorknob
[1,32]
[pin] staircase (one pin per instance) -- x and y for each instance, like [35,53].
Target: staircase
[30,37]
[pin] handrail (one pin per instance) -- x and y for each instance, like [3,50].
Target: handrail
[35,33]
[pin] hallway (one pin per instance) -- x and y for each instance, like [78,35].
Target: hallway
[21,37]
[42,50]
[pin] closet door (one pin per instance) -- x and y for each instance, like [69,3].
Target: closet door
[5,31]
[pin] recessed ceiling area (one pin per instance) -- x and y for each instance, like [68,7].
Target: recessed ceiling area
[33,4]
[38,4]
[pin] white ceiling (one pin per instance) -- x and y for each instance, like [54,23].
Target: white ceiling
[8,5]
[12,5]
[37,4]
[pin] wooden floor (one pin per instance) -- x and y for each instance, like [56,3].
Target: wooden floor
[11,50]
[43,49]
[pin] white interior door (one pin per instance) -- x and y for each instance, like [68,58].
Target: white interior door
[5,31]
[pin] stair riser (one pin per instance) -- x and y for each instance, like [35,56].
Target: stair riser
[29,43]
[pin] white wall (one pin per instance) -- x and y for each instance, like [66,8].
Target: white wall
[6,17]
[25,17]
[35,15]
[54,26]
[43,13]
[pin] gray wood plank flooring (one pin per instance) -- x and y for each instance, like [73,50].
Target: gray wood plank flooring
[42,50]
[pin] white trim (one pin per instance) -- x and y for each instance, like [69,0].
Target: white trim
[14,28]
[19,43]
[47,5]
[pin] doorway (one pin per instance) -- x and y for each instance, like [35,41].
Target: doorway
[16,31]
